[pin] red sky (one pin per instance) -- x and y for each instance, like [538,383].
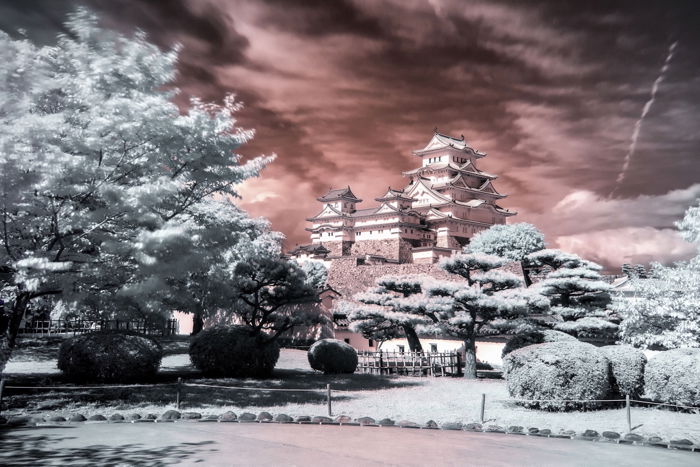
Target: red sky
[342,91]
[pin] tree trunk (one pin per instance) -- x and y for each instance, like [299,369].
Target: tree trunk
[413,342]
[565,299]
[197,323]
[526,274]
[470,358]
[9,327]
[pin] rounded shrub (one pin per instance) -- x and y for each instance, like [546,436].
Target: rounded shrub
[556,372]
[109,357]
[332,356]
[673,377]
[626,370]
[539,336]
[233,351]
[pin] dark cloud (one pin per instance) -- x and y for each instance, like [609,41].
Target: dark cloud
[343,91]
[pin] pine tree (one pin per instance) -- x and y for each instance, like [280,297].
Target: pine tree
[510,241]
[391,309]
[262,287]
[640,271]
[627,269]
[578,293]
[488,298]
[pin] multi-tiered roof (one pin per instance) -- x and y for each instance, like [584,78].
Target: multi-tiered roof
[446,201]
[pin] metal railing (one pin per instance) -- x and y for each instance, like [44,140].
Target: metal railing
[179,389]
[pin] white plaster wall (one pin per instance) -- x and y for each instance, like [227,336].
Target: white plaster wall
[489,352]
[354,339]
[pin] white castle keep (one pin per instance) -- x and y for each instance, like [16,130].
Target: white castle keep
[446,201]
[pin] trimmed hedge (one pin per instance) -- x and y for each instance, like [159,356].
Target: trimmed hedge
[332,356]
[626,370]
[558,371]
[110,357]
[535,337]
[233,351]
[673,377]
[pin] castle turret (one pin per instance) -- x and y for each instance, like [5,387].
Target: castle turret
[342,200]
[447,200]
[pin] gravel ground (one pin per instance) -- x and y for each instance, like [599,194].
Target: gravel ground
[401,398]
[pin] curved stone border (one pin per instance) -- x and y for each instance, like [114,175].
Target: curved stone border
[171,416]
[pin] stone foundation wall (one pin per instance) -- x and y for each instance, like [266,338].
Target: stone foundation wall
[335,248]
[447,241]
[349,278]
[389,249]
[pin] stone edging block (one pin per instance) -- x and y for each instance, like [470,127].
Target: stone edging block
[172,416]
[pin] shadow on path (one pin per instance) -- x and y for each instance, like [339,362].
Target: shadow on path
[31,449]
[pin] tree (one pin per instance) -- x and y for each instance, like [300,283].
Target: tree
[488,298]
[555,259]
[391,309]
[97,163]
[316,273]
[193,267]
[640,271]
[664,311]
[263,285]
[510,241]
[578,293]
[628,270]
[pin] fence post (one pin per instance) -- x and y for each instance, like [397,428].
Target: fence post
[2,387]
[179,389]
[483,407]
[328,389]
[629,414]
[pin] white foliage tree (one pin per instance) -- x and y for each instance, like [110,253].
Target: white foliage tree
[664,311]
[316,273]
[578,293]
[394,308]
[510,241]
[489,298]
[99,170]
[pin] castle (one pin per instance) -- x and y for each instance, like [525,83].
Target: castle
[446,201]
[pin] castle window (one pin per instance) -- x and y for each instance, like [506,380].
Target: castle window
[371,343]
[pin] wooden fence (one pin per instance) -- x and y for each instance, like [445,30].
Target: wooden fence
[410,363]
[76,326]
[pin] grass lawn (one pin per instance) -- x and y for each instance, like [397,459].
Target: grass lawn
[399,398]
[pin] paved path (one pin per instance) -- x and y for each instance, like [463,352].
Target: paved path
[188,443]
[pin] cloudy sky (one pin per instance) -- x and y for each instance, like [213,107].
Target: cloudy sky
[343,90]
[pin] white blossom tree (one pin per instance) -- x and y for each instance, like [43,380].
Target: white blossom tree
[97,165]
[510,241]
[664,311]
